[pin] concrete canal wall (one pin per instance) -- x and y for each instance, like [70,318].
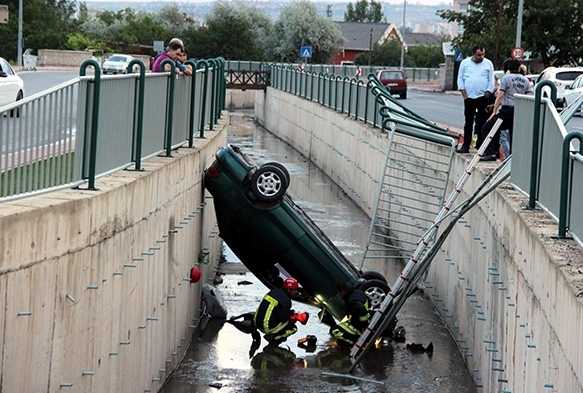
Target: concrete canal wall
[93,296]
[507,289]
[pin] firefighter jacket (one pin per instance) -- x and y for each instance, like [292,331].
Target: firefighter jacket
[274,311]
[357,308]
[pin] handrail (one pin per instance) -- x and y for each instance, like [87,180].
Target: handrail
[140,106]
[565,183]
[536,139]
[94,120]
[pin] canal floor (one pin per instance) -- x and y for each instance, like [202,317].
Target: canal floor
[221,359]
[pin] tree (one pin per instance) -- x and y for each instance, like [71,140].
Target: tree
[364,11]
[548,29]
[45,24]
[387,54]
[299,24]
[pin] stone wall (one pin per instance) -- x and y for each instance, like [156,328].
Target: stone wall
[94,289]
[508,290]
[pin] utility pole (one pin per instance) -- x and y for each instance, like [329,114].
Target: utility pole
[519,24]
[499,20]
[370,47]
[19,53]
[403,35]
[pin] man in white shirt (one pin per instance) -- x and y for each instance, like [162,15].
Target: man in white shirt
[476,83]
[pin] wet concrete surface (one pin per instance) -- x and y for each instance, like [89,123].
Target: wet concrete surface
[221,358]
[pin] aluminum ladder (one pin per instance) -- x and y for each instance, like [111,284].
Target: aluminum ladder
[418,263]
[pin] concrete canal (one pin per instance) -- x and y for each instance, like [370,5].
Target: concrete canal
[221,357]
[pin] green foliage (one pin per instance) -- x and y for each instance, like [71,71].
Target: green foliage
[233,30]
[300,25]
[548,29]
[364,11]
[45,24]
[389,54]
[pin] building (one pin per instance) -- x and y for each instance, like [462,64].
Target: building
[361,37]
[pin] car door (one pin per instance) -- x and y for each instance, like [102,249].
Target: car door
[8,84]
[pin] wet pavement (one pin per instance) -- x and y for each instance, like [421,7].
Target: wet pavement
[221,357]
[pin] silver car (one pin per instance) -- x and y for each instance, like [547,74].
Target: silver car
[116,64]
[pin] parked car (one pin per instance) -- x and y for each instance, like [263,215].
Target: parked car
[561,77]
[395,81]
[116,64]
[574,91]
[275,238]
[11,86]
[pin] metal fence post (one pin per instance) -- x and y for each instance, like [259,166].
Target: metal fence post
[565,199]
[140,112]
[170,107]
[199,65]
[536,139]
[94,119]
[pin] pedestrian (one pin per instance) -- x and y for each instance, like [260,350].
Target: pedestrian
[513,83]
[476,83]
[174,53]
[357,315]
[494,145]
[274,316]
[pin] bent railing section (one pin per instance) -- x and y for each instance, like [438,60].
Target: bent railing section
[93,125]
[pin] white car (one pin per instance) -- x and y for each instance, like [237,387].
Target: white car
[11,86]
[562,77]
[573,91]
[116,64]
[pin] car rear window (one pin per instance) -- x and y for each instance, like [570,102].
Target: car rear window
[568,75]
[391,75]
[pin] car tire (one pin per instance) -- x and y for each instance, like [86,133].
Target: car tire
[269,183]
[280,166]
[104,72]
[372,275]
[16,112]
[403,96]
[376,291]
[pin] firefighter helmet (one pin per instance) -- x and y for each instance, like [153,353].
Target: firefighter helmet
[290,283]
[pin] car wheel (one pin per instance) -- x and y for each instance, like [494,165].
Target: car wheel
[376,291]
[372,275]
[16,112]
[403,95]
[280,166]
[269,183]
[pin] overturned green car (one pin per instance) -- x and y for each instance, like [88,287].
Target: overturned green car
[275,239]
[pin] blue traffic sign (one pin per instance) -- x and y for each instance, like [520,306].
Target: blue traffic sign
[306,52]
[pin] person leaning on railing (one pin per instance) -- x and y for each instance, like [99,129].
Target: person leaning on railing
[175,51]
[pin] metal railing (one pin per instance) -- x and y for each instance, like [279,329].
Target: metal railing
[546,164]
[70,135]
[413,74]
[545,159]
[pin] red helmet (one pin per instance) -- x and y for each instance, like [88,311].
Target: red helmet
[290,283]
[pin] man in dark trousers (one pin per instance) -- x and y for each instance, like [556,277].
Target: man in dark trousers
[476,82]
[357,315]
[274,316]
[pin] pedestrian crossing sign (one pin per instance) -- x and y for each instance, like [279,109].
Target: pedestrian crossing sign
[306,52]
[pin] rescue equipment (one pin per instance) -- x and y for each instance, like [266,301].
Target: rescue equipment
[301,317]
[195,275]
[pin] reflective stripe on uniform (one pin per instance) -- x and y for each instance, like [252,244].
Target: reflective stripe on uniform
[264,326]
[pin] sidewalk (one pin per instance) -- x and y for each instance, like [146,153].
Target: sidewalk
[432,87]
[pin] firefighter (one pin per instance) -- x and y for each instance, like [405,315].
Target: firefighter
[357,315]
[274,316]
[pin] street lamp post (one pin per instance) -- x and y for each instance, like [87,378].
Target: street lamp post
[403,34]
[19,53]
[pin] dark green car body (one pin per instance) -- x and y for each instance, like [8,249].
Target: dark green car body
[276,234]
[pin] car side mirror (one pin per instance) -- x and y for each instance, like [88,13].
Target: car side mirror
[3,74]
